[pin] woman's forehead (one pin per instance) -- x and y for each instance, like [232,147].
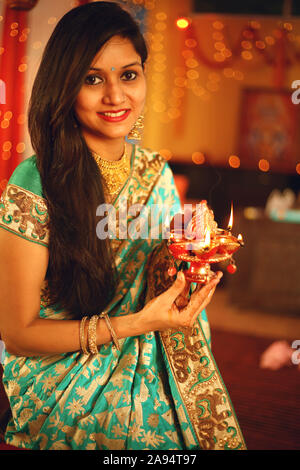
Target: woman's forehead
[115,53]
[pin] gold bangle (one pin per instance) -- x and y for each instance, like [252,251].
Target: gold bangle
[92,334]
[111,330]
[82,336]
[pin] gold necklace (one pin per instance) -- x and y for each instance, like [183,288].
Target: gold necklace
[115,173]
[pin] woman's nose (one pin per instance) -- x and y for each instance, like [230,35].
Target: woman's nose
[113,93]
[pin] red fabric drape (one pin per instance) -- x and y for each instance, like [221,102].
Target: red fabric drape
[12,123]
[12,112]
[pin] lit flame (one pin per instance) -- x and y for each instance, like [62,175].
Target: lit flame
[207,238]
[240,239]
[230,223]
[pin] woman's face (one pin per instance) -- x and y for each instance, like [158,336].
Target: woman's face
[113,94]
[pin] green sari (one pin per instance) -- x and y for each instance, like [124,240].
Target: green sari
[162,391]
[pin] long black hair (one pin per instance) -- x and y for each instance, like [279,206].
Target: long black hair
[81,274]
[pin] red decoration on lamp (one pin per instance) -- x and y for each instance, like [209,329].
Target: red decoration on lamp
[231,268]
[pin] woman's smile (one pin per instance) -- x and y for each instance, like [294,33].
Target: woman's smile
[114,116]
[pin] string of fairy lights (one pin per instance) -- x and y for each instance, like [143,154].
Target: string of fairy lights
[187,77]
[21,35]
[168,95]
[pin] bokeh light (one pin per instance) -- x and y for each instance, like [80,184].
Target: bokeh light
[6,155]
[8,115]
[5,123]
[260,44]
[7,146]
[263,164]
[219,56]
[247,55]
[238,75]
[246,44]
[192,74]
[218,25]
[270,40]
[234,161]
[191,43]
[20,148]
[220,46]
[255,24]
[182,23]
[21,119]
[192,63]
[161,16]
[228,72]
[288,26]
[22,67]
[166,153]
[198,158]
[160,26]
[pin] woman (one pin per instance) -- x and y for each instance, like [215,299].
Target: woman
[138,376]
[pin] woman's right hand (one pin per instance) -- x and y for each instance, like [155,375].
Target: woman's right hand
[163,312]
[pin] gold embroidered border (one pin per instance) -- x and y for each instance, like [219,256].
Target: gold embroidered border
[195,374]
[147,168]
[202,391]
[25,214]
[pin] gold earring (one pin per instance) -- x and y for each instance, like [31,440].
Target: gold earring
[136,131]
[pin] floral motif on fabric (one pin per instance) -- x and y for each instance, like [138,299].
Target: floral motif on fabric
[195,378]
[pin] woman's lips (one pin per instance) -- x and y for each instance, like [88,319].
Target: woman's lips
[116,116]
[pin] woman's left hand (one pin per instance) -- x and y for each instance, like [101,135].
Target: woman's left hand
[163,311]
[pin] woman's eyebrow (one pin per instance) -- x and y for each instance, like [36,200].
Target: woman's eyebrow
[123,67]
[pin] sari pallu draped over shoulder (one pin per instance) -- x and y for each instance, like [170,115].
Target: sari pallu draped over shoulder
[161,391]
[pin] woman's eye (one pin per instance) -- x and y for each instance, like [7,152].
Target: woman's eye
[93,80]
[129,75]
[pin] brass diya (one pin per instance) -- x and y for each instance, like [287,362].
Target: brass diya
[201,243]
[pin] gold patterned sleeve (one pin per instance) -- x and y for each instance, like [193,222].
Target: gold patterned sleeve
[24,214]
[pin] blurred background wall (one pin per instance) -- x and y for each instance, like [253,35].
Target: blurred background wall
[197,75]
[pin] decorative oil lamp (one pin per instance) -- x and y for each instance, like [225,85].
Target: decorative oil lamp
[201,243]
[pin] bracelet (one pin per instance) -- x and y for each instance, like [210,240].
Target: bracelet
[92,334]
[111,330]
[82,336]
